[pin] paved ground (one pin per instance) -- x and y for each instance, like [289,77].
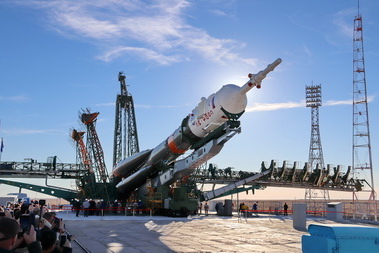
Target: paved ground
[194,234]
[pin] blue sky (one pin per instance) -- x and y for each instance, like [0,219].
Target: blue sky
[60,56]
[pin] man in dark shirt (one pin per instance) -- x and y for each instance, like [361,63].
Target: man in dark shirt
[9,230]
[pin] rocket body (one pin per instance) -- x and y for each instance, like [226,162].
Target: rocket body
[228,103]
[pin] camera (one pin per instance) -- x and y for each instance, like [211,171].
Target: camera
[42,202]
[25,222]
[63,239]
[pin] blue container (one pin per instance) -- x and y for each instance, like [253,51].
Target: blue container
[340,239]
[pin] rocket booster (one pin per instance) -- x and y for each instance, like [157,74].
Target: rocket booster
[229,103]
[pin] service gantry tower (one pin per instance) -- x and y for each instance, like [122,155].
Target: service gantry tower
[93,180]
[86,182]
[125,133]
[316,157]
[94,146]
[362,158]
[82,156]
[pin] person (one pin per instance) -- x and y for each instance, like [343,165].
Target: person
[200,207]
[244,209]
[9,229]
[92,207]
[285,207]
[103,206]
[115,207]
[49,243]
[255,208]
[140,206]
[77,206]
[57,226]
[48,239]
[86,206]
[98,205]
[206,208]
[217,206]
[49,220]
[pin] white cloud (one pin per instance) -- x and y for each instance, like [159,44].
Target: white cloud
[106,104]
[157,32]
[343,21]
[342,102]
[307,51]
[289,105]
[33,131]
[15,98]
[218,13]
[346,102]
[145,53]
[274,106]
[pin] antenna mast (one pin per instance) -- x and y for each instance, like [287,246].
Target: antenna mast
[362,158]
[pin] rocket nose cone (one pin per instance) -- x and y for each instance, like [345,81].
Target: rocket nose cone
[231,99]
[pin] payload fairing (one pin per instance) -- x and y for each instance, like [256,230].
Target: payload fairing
[227,104]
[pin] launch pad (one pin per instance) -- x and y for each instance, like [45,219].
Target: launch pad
[161,177]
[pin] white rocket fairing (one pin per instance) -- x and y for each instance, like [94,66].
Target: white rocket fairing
[229,103]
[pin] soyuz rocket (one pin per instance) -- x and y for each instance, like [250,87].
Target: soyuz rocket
[227,104]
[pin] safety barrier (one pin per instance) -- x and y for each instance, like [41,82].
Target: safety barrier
[244,214]
[108,211]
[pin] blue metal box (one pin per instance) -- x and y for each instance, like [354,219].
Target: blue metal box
[340,239]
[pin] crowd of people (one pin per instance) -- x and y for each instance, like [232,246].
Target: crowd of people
[30,227]
[90,207]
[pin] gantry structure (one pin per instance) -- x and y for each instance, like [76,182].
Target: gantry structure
[93,144]
[125,133]
[95,183]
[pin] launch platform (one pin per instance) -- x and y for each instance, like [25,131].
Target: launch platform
[192,234]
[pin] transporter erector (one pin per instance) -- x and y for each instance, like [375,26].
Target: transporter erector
[204,123]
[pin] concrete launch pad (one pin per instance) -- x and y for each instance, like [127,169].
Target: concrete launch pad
[193,234]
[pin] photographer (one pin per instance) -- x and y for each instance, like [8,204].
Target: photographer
[9,229]
[53,244]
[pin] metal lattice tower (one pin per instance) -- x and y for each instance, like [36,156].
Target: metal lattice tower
[313,100]
[85,181]
[125,133]
[362,158]
[83,157]
[316,157]
[94,146]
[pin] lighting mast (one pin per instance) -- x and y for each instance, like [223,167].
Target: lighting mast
[316,157]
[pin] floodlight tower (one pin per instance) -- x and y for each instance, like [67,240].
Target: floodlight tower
[125,133]
[316,157]
[362,158]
